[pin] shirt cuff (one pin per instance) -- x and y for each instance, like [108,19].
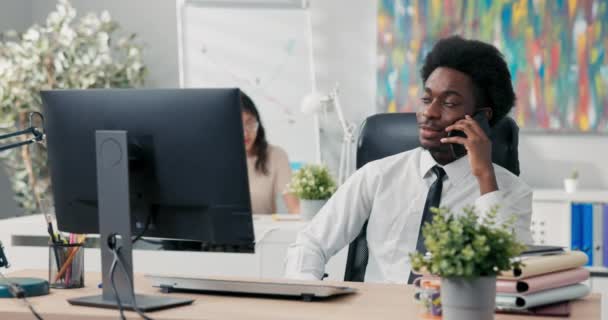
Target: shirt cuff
[294,268]
[489,201]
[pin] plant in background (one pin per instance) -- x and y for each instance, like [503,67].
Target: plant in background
[571,182]
[312,182]
[574,174]
[462,246]
[64,53]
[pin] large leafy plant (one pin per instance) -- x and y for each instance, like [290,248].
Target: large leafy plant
[63,53]
[464,246]
[312,182]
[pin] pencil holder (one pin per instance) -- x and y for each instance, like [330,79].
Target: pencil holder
[66,265]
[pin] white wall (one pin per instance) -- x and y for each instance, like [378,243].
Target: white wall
[547,159]
[345,52]
[15,14]
[155,23]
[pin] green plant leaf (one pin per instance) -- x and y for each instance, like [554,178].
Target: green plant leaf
[464,246]
[312,182]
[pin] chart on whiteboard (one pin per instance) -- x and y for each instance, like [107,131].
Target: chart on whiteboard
[262,51]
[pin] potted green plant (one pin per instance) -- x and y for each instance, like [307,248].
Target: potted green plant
[468,254]
[313,184]
[65,52]
[571,183]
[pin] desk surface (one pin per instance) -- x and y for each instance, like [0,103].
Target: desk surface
[373,301]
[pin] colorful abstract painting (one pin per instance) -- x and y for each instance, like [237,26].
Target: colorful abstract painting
[555,49]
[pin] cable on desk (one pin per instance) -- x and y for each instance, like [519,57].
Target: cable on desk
[18,292]
[266,233]
[146,227]
[117,260]
[118,302]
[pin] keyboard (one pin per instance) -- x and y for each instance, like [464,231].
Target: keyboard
[306,292]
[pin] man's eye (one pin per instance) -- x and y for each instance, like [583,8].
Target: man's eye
[449,104]
[426,100]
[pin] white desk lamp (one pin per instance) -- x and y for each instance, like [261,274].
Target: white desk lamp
[313,104]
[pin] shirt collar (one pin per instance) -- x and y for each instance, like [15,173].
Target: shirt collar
[455,170]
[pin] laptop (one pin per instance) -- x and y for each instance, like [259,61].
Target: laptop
[306,292]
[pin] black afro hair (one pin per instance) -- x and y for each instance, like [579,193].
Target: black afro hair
[483,63]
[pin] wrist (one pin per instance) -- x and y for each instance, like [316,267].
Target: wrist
[484,171]
[487,181]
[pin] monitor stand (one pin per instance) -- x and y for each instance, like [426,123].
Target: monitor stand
[115,219]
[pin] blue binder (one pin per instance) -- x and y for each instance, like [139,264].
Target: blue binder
[587,234]
[576,230]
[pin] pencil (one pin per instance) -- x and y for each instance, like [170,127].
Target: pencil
[67,263]
[53,238]
[69,271]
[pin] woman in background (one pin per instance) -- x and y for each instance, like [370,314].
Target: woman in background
[267,165]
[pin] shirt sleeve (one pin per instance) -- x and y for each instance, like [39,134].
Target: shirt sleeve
[514,201]
[283,171]
[336,225]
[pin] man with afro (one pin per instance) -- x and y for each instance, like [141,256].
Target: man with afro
[461,78]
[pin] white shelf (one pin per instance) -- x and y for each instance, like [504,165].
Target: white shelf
[602,271]
[590,195]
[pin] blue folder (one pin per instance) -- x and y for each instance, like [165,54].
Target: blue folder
[587,233]
[576,230]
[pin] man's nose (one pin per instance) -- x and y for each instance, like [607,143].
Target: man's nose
[432,110]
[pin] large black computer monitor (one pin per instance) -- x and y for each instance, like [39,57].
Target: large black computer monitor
[185,178]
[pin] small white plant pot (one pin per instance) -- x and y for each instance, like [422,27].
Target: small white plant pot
[309,208]
[570,185]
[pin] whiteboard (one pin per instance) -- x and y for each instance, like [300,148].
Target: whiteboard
[261,47]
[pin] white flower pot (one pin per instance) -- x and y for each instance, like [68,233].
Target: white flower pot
[465,299]
[309,208]
[570,185]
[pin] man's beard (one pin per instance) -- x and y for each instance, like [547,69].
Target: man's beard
[442,148]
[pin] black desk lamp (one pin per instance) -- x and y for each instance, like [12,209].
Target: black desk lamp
[37,134]
[19,287]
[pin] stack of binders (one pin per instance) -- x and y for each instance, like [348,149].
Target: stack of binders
[545,285]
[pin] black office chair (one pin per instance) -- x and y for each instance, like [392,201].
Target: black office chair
[383,135]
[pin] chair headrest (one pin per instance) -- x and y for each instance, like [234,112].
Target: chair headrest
[386,134]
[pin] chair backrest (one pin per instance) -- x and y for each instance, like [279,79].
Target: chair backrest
[386,134]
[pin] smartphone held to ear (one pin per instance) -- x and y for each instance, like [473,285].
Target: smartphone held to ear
[459,150]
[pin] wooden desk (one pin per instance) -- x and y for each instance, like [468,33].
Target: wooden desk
[373,301]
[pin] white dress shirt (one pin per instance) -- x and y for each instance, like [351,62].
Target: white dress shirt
[391,193]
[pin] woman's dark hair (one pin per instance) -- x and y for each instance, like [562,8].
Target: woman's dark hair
[483,63]
[260,145]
